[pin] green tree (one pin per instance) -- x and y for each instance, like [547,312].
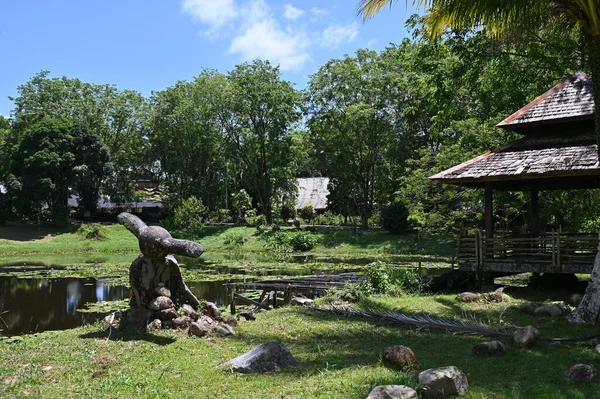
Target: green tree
[241,202]
[259,122]
[187,141]
[351,124]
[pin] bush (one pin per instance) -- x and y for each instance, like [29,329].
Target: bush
[260,221]
[385,278]
[303,241]
[92,231]
[308,213]
[234,239]
[292,240]
[189,214]
[394,218]
[287,212]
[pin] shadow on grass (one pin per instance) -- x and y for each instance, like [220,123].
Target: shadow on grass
[125,336]
[26,232]
[335,342]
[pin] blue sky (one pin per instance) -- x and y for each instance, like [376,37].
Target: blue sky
[148,45]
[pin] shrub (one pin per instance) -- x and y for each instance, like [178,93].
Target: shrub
[189,214]
[308,213]
[92,231]
[385,278]
[234,239]
[394,218]
[287,212]
[260,221]
[292,240]
[303,241]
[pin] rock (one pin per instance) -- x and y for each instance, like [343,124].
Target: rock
[392,392]
[443,382]
[553,310]
[299,301]
[137,319]
[224,330]
[163,291]
[597,348]
[156,324]
[495,296]
[268,357]
[399,357]
[167,314]
[205,319]
[210,309]
[575,299]
[190,312]
[526,336]
[530,307]
[276,227]
[160,303]
[229,320]
[182,321]
[242,319]
[167,324]
[248,315]
[490,348]
[199,329]
[581,372]
[467,297]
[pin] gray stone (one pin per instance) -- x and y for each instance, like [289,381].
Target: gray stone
[581,372]
[199,329]
[597,348]
[443,382]
[137,319]
[392,392]
[224,330]
[530,307]
[167,314]
[182,321]
[268,357]
[163,291]
[299,301]
[248,315]
[495,296]
[526,336]
[190,311]
[160,303]
[276,227]
[206,319]
[467,297]
[229,320]
[575,299]
[552,310]
[156,324]
[210,309]
[399,357]
[490,348]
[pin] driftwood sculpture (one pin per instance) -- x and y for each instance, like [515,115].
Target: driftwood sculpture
[155,274]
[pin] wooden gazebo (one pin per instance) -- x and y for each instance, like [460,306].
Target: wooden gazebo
[557,152]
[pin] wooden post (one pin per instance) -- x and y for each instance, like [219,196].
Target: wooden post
[232,298]
[489,211]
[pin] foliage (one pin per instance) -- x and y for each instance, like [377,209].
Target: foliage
[385,278]
[241,202]
[92,231]
[260,221]
[190,214]
[394,218]
[308,213]
[292,240]
[287,212]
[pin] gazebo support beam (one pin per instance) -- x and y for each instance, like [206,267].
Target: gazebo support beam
[489,212]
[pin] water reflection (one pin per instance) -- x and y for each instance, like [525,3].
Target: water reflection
[33,305]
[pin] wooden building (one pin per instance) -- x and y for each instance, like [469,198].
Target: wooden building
[558,151]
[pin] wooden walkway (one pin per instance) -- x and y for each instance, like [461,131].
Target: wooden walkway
[306,286]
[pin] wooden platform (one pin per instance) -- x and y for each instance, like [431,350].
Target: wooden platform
[307,286]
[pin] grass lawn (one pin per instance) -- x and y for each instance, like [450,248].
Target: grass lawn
[339,357]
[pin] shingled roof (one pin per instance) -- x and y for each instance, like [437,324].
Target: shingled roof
[312,191]
[571,98]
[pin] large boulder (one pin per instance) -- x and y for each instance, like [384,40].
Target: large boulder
[399,357]
[223,329]
[210,309]
[553,310]
[392,392]
[527,336]
[467,297]
[160,303]
[268,357]
[443,382]
[490,348]
[530,307]
[190,312]
[199,329]
[136,319]
[581,373]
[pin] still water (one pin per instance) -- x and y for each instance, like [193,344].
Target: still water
[33,305]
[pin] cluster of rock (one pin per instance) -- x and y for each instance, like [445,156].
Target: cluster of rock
[492,296]
[555,309]
[441,382]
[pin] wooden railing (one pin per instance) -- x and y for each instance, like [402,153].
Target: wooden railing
[552,248]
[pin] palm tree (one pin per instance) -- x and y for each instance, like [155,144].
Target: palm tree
[513,19]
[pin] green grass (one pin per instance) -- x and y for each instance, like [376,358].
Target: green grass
[339,357]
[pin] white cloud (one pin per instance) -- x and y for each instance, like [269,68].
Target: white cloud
[292,12]
[262,37]
[318,11]
[214,13]
[335,35]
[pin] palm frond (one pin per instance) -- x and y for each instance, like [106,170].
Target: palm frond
[423,320]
